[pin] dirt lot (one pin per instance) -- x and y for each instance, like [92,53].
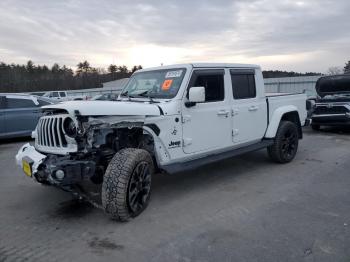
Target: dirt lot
[242,209]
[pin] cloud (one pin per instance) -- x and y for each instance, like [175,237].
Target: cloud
[293,35]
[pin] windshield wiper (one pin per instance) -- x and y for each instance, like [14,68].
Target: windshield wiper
[146,94]
[126,94]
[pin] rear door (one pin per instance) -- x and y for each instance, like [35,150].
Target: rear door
[249,108]
[2,115]
[21,116]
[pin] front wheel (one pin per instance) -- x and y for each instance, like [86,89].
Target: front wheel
[126,187]
[286,143]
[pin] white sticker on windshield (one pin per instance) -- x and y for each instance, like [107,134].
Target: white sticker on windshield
[172,74]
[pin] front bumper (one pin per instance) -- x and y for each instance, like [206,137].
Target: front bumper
[26,151]
[44,168]
[331,119]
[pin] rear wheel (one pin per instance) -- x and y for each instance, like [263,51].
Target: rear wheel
[126,187]
[286,143]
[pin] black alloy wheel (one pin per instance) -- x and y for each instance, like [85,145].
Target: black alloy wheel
[126,187]
[139,187]
[289,144]
[286,143]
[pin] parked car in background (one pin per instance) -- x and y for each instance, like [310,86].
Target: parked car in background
[310,106]
[60,96]
[19,114]
[332,106]
[106,97]
[57,95]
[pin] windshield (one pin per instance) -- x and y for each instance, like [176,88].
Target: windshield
[155,84]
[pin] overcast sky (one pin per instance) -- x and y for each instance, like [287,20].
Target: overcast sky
[310,35]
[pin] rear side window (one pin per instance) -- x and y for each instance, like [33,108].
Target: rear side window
[62,94]
[19,103]
[213,82]
[243,84]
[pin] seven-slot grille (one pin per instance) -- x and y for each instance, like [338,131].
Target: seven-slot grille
[50,132]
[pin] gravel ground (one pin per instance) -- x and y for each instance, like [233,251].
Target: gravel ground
[242,209]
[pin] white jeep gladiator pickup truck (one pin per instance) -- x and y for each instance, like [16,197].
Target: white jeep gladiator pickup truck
[167,119]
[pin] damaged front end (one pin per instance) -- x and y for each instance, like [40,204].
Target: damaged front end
[71,150]
[60,171]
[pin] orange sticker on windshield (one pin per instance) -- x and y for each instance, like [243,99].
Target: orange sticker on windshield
[167,84]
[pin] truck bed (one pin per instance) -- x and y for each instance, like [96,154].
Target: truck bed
[279,100]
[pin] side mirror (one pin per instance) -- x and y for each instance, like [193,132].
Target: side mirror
[35,100]
[196,95]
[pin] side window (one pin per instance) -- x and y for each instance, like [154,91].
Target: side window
[213,82]
[62,94]
[12,103]
[54,94]
[243,84]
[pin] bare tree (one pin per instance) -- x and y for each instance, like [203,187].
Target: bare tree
[334,70]
[347,68]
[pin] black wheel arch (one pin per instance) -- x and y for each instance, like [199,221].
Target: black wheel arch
[293,117]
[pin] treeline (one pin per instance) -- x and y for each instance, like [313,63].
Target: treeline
[31,77]
[277,73]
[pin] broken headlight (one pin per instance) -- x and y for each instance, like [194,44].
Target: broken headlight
[70,128]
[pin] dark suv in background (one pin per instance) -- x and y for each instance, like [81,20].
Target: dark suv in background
[19,114]
[332,107]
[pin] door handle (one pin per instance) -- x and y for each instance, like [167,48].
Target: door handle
[223,113]
[253,108]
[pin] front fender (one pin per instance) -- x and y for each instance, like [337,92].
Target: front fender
[161,153]
[276,119]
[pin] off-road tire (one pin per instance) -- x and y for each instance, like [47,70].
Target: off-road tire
[277,151]
[315,127]
[117,180]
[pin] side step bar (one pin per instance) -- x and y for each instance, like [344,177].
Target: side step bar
[193,164]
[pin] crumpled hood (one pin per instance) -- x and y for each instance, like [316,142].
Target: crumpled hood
[105,108]
[333,85]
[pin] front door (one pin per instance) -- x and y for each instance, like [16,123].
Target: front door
[207,125]
[249,108]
